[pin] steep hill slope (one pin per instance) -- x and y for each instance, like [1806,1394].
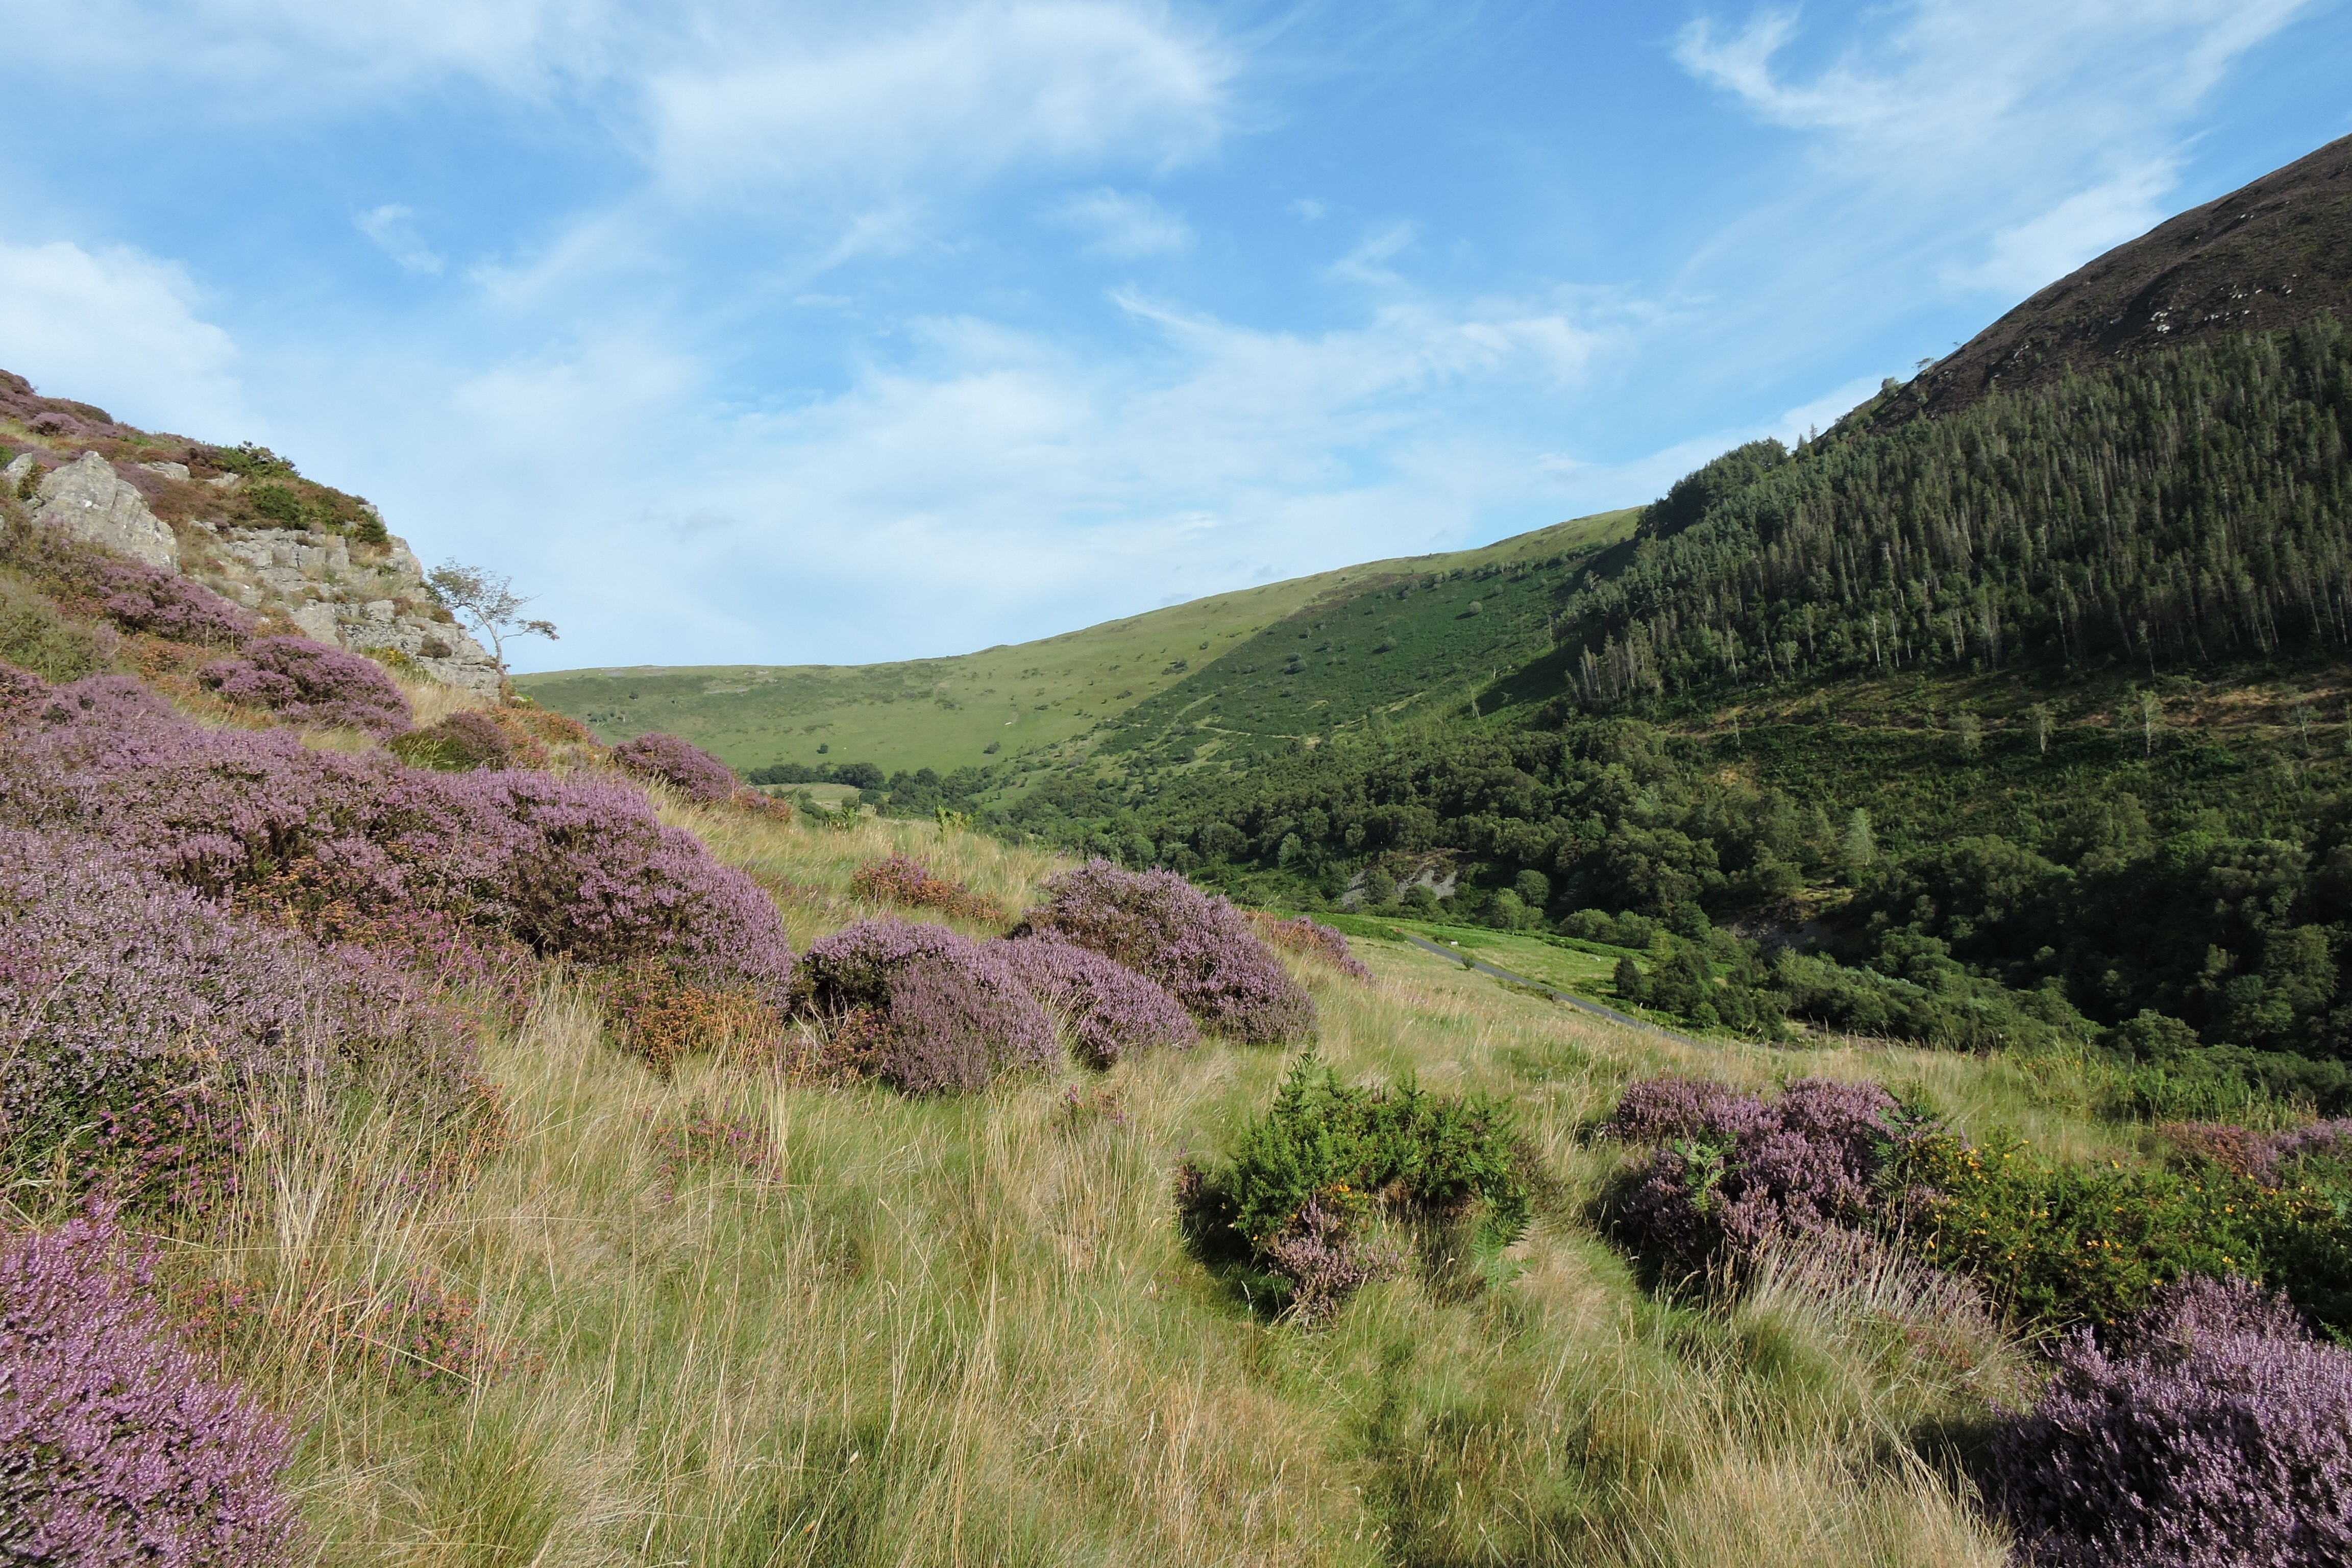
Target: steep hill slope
[241,521]
[2026,721]
[2273,255]
[1033,698]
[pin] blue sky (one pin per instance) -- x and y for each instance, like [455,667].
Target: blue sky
[794,333]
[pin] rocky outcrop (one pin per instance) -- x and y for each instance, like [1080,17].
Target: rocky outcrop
[372,600]
[367,598]
[87,498]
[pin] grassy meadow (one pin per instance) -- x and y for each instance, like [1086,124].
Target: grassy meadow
[1029,697]
[875,1331]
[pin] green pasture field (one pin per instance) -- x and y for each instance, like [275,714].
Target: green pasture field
[1005,702]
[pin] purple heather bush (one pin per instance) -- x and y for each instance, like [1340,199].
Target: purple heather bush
[1199,947]
[145,1024]
[680,764]
[311,685]
[954,1014]
[2208,1431]
[566,866]
[115,1447]
[1733,1172]
[1110,1012]
[142,598]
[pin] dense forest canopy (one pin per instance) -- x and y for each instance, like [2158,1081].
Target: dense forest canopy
[1927,733]
[2181,510]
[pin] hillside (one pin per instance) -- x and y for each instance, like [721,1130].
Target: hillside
[431,1136]
[1034,698]
[2271,256]
[2025,721]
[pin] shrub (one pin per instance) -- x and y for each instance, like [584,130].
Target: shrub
[115,1447]
[142,598]
[681,764]
[2070,1244]
[949,1013]
[1736,1173]
[577,865]
[1312,939]
[662,1013]
[1198,947]
[2206,1432]
[143,1021]
[36,637]
[904,881]
[1305,1177]
[465,740]
[311,685]
[1111,1011]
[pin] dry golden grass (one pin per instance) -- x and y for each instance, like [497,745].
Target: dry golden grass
[967,1332]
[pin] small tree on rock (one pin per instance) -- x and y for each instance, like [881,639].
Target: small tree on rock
[488,603]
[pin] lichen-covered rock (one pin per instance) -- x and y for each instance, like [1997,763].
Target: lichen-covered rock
[87,498]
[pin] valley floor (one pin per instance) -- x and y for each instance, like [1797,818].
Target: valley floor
[858,1329]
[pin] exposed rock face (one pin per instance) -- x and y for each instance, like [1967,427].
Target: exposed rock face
[366,599]
[87,498]
[371,603]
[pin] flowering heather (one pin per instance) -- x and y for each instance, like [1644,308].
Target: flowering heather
[902,879]
[1111,1011]
[139,1017]
[1314,940]
[311,685]
[1325,1262]
[953,1011]
[577,865]
[1737,1172]
[115,1448]
[680,764]
[1200,948]
[2208,1431]
[142,598]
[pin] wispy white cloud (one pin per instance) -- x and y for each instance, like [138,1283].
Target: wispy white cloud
[957,95]
[2019,260]
[1123,226]
[392,228]
[120,328]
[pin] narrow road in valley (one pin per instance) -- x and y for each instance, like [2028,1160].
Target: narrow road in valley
[1553,992]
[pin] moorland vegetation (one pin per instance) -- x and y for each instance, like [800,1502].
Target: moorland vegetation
[441,1138]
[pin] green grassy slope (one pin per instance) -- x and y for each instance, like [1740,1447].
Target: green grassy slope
[947,714]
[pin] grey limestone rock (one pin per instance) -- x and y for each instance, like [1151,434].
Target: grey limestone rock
[87,498]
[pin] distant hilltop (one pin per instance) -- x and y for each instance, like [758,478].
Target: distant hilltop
[2275,254]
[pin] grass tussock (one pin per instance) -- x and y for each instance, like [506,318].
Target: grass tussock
[722,1318]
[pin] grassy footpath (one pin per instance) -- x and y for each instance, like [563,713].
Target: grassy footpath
[966,1331]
